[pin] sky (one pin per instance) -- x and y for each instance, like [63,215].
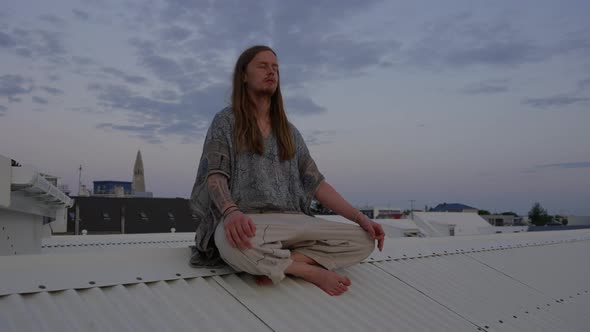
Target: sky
[485,103]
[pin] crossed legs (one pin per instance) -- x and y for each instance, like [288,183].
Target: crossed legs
[300,246]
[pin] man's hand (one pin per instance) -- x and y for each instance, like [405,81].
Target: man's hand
[238,229]
[374,229]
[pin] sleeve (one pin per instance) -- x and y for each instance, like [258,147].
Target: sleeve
[217,149]
[309,173]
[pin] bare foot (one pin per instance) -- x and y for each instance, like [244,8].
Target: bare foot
[330,282]
[263,280]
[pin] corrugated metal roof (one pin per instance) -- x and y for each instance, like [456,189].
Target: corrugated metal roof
[503,282]
[79,243]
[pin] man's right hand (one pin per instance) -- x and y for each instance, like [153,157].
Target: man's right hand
[238,229]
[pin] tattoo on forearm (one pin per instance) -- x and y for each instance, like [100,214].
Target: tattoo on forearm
[219,191]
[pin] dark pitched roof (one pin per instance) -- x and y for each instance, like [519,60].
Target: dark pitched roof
[452,207]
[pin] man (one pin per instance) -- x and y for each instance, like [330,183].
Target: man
[254,187]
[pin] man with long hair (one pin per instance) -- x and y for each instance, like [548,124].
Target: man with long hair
[254,187]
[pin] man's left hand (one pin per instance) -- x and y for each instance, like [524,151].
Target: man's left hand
[374,229]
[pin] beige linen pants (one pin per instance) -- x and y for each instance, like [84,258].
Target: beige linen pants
[332,245]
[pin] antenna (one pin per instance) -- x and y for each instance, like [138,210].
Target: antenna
[79,179]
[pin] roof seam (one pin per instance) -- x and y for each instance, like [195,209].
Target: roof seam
[221,284]
[511,277]
[429,297]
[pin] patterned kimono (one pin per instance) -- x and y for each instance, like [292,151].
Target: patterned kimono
[257,182]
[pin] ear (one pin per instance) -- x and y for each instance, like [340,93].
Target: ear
[244,77]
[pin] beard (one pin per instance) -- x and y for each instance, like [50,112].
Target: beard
[266,91]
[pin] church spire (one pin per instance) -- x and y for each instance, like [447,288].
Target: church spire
[138,184]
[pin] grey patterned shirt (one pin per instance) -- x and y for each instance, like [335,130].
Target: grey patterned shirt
[257,182]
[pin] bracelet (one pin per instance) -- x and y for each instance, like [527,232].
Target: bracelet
[227,208]
[356,215]
[230,212]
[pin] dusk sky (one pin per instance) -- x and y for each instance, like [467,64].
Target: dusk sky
[485,103]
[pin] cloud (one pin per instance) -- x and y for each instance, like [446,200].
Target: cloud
[146,132]
[584,164]
[80,14]
[461,40]
[167,95]
[309,45]
[187,118]
[53,77]
[52,90]
[6,40]
[134,79]
[584,84]
[34,43]
[317,137]
[82,60]
[54,20]
[39,100]
[486,87]
[13,85]
[175,33]
[3,110]
[555,101]
[302,106]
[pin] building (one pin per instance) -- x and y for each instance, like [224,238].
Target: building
[29,203]
[138,176]
[435,224]
[578,220]
[382,212]
[503,220]
[393,228]
[135,188]
[128,215]
[453,207]
[112,188]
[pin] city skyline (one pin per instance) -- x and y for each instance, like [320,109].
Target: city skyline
[485,104]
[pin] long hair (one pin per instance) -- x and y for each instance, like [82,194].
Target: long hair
[247,136]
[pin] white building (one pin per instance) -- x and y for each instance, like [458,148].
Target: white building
[28,203]
[451,223]
[503,220]
[578,220]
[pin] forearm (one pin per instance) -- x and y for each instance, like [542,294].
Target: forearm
[219,193]
[330,198]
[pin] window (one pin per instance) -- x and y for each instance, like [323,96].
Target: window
[143,216]
[106,216]
[171,216]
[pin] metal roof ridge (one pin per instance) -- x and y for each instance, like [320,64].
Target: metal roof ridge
[55,272]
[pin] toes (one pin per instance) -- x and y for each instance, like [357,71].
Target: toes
[345,281]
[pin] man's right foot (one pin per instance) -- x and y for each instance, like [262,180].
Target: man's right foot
[328,281]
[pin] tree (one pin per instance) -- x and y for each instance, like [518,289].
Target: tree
[509,213]
[483,212]
[538,215]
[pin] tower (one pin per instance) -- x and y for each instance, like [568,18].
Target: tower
[138,184]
